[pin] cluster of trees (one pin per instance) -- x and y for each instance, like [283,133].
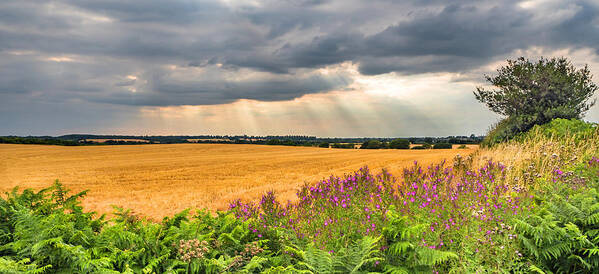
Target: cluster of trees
[37,141]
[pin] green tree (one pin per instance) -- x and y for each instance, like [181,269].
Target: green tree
[273,142]
[442,146]
[372,144]
[400,144]
[530,93]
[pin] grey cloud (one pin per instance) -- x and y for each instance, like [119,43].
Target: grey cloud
[163,89]
[284,40]
[171,12]
[459,37]
[126,83]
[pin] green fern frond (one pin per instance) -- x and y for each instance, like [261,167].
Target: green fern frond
[154,263]
[255,264]
[431,257]
[535,269]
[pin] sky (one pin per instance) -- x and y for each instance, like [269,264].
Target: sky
[328,68]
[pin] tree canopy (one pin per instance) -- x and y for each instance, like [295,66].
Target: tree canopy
[400,144]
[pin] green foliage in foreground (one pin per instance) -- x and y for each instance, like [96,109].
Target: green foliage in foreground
[47,232]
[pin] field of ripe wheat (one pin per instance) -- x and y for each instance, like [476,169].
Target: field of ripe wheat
[159,180]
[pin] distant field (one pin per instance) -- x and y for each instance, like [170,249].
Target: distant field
[159,180]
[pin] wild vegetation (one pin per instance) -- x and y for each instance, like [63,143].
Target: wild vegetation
[537,213]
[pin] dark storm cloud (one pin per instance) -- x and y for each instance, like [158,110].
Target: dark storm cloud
[114,48]
[164,89]
[459,37]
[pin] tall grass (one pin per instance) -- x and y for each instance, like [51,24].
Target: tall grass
[534,155]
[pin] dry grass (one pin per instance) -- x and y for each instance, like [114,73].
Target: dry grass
[537,155]
[159,180]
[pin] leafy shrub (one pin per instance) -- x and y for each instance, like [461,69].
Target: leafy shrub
[562,128]
[400,144]
[324,145]
[503,131]
[557,128]
[372,144]
[462,147]
[442,146]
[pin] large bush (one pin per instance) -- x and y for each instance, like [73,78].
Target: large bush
[400,144]
[533,93]
[557,128]
[442,146]
[560,128]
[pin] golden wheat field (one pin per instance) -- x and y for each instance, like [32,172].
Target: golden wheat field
[159,180]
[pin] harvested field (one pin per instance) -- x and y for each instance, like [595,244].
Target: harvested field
[159,180]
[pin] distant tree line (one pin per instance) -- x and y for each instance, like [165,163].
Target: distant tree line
[290,140]
[404,144]
[36,141]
